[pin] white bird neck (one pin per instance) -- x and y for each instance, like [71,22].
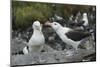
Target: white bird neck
[60,31]
[37,32]
[85,17]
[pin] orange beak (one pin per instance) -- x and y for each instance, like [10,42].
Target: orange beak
[48,23]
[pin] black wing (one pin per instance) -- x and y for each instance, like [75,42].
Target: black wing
[77,35]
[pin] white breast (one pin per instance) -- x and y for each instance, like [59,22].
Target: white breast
[36,42]
[86,20]
[36,39]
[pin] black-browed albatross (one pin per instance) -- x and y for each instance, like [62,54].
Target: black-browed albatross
[68,35]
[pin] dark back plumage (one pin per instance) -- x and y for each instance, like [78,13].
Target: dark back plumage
[77,35]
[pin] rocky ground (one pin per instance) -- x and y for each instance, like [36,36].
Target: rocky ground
[56,51]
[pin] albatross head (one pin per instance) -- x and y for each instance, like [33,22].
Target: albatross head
[54,25]
[36,25]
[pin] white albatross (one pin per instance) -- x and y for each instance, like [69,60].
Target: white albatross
[68,35]
[85,19]
[37,40]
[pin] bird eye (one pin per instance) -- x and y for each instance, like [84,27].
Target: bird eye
[55,24]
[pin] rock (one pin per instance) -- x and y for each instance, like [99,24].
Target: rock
[17,45]
[91,57]
[50,57]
